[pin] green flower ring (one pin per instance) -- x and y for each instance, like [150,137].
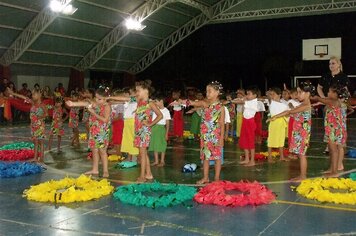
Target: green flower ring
[171,194]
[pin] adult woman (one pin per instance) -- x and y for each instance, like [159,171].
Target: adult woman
[334,77]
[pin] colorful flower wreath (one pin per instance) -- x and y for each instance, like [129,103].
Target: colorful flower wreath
[16,169]
[115,158]
[16,155]
[69,190]
[172,194]
[251,194]
[319,189]
[17,146]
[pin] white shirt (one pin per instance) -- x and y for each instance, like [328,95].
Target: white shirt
[130,108]
[295,103]
[260,106]
[117,109]
[177,107]
[277,107]
[284,101]
[239,108]
[166,116]
[227,115]
[250,108]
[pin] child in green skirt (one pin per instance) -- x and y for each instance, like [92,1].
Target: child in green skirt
[159,136]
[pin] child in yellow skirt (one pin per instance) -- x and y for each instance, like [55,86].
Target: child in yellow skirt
[127,145]
[277,127]
[239,111]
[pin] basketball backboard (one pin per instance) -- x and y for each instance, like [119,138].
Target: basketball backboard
[321,49]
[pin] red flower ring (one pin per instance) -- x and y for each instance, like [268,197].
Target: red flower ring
[16,155]
[251,194]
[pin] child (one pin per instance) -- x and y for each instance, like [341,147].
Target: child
[239,111]
[196,118]
[130,106]
[259,117]
[277,127]
[99,122]
[334,127]
[178,122]
[117,124]
[88,96]
[248,127]
[57,123]
[160,133]
[38,114]
[212,129]
[74,121]
[300,137]
[2,105]
[232,113]
[143,124]
[292,103]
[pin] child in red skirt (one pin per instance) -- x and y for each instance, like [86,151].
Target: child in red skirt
[178,122]
[248,127]
[117,111]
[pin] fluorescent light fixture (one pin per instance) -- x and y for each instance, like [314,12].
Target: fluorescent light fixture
[62,6]
[132,24]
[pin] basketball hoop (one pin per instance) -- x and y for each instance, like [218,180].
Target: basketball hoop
[321,55]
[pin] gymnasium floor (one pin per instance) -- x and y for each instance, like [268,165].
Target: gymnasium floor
[290,214]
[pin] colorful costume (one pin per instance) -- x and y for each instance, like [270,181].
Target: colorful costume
[118,123]
[57,124]
[74,117]
[178,122]
[142,132]
[127,144]
[158,141]
[248,127]
[99,130]
[277,127]
[334,127]
[300,138]
[211,133]
[37,124]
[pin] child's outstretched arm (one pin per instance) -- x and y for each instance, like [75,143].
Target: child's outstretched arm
[119,98]
[327,101]
[77,104]
[27,99]
[300,108]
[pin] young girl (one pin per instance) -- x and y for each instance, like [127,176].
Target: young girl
[248,127]
[99,122]
[117,124]
[232,113]
[57,123]
[259,117]
[74,121]
[128,133]
[88,96]
[334,127]
[292,103]
[160,130]
[240,94]
[212,129]
[143,124]
[178,122]
[196,118]
[277,127]
[38,114]
[300,137]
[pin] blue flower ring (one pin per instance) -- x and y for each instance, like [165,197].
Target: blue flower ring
[170,194]
[16,169]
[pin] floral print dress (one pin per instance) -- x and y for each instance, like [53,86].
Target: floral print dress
[74,117]
[37,118]
[57,123]
[142,132]
[301,132]
[99,130]
[334,128]
[211,133]
[85,117]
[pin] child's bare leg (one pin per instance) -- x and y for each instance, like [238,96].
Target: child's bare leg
[247,157]
[40,156]
[50,142]
[270,159]
[35,151]
[303,169]
[163,156]
[156,159]
[205,178]
[281,154]
[95,165]
[118,150]
[217,170]
[252,160]
[142,156]
[104,161]
[334,156]
[341,152]
[59,143]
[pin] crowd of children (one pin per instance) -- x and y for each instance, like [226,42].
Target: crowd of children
[140,123]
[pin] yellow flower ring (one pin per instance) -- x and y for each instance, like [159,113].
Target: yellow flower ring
[69,190]
[319,189]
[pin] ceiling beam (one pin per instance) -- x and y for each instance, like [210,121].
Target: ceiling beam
[204,9]
[118,33]
[180,34]
[285,11]
[28,36]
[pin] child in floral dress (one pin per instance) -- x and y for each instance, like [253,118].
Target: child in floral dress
[335,135]
[88,95]
[212,129]
[38,114]
[74,121]
[57,123]
[143,124]
[300,136]
[99,122]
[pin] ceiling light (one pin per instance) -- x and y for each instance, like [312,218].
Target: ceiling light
[62,6]
[132,24]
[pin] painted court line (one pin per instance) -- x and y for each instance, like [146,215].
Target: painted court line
[315,205]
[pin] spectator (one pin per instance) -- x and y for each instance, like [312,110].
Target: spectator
[25,91]
[61,89]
